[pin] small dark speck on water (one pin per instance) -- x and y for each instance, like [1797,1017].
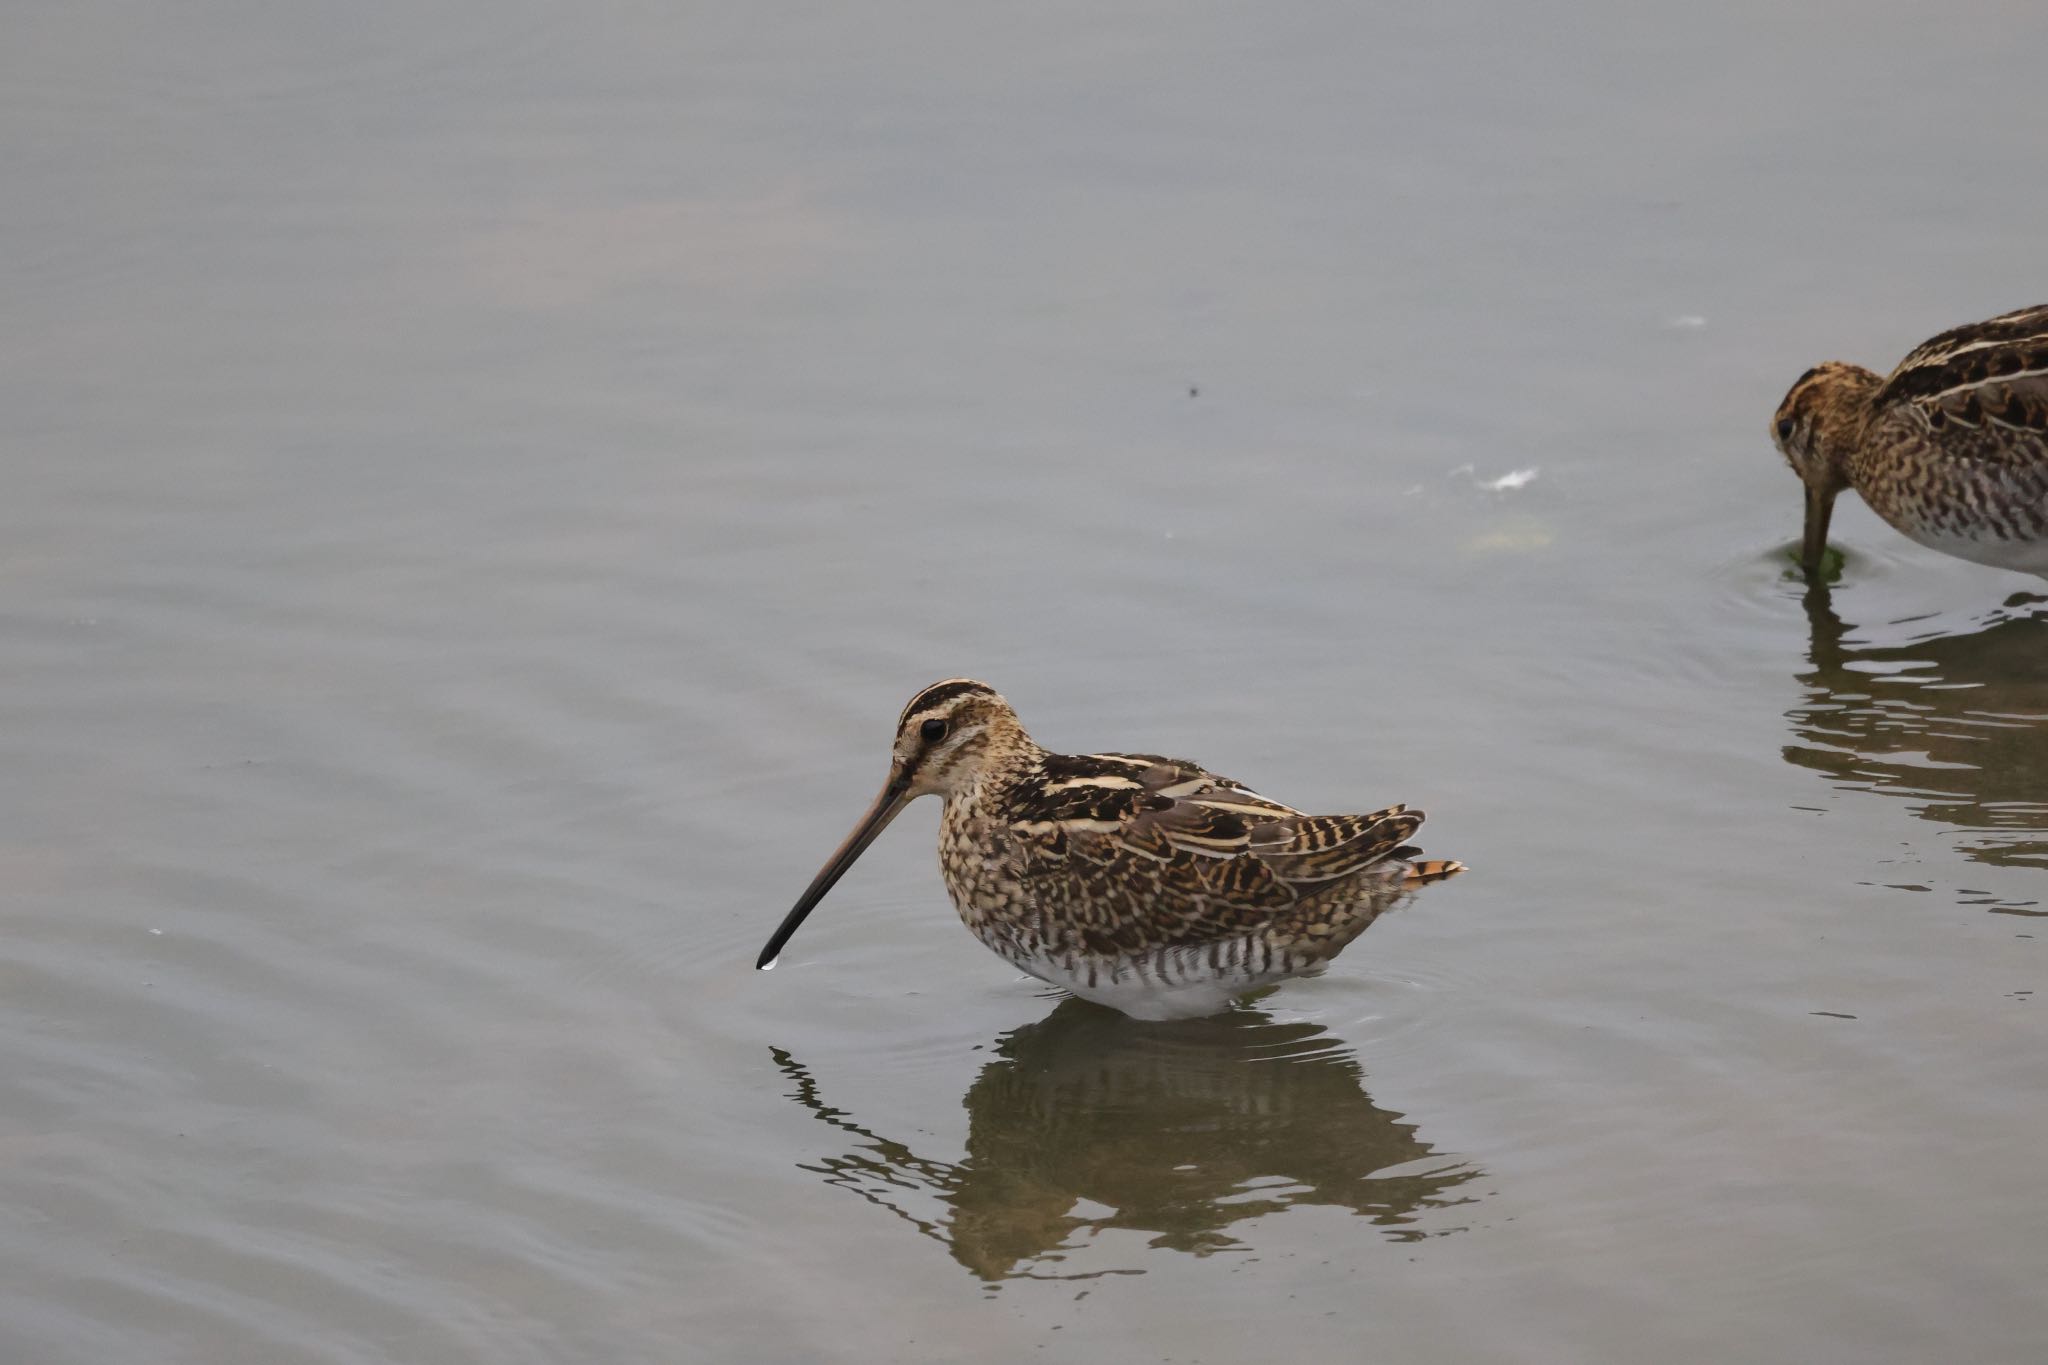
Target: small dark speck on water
[1194,391]
[1830,1014]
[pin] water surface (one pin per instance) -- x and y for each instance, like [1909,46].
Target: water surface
[481,485]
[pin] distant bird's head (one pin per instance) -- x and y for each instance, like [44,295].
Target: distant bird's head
[1815,428]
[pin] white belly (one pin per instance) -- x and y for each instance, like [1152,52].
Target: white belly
[2025,556]
[1177,984]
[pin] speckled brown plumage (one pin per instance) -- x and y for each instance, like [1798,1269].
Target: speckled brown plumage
[1951,448]
[1142,882]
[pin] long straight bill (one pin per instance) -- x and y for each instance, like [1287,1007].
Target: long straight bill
[893,799]
[1819,507]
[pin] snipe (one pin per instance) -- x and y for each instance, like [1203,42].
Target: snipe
[1147,884]
[1951,448]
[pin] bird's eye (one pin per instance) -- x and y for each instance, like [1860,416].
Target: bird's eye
[1785,428]
[932,730]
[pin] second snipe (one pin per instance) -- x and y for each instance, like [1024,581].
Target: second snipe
[1951,448]
[1147,884]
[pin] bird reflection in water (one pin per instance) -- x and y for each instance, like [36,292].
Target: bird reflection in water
[1087,1121]
[1954,722]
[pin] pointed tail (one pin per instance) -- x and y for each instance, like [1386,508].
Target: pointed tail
[1434,870]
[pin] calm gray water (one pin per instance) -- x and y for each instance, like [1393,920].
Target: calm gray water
[480,486]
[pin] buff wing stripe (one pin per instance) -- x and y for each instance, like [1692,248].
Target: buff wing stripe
[1986,374]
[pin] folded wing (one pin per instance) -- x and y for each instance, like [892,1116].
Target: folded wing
[1106,841]
[1978,379]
